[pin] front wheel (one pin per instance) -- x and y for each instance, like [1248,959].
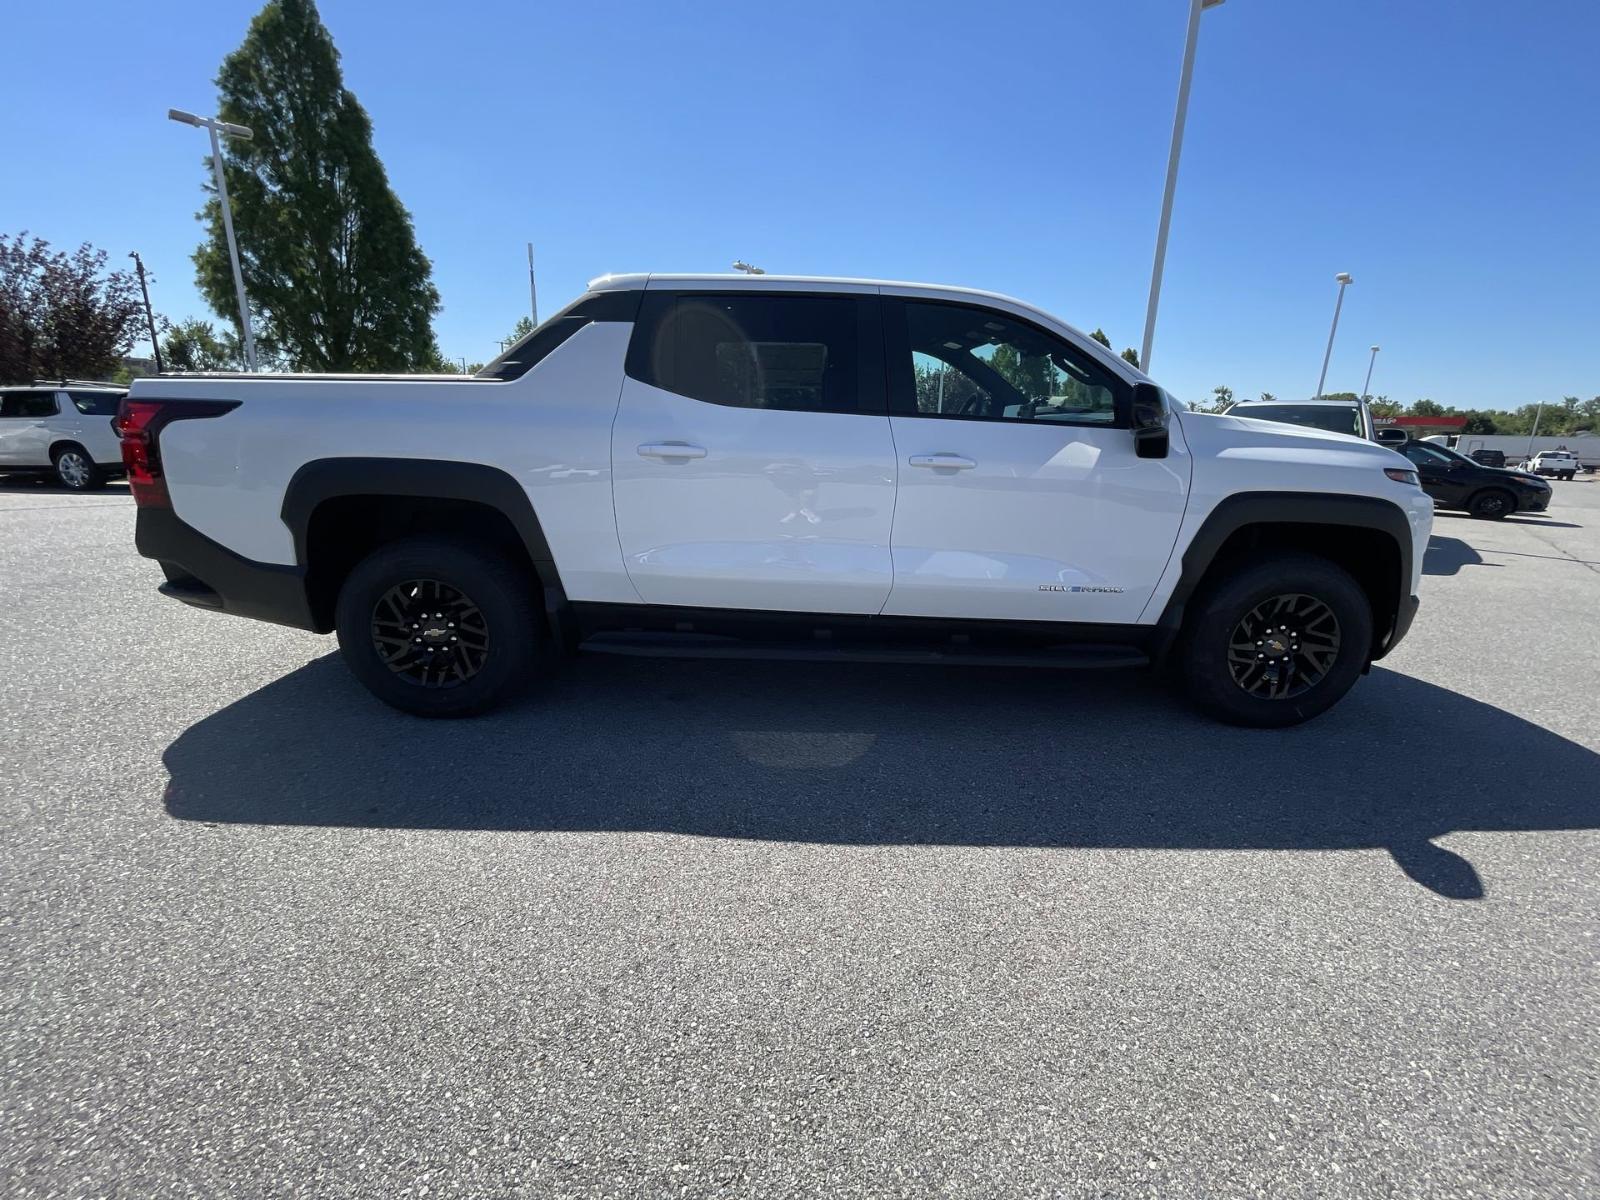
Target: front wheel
[439,630]
[1492,506]
[1277,642]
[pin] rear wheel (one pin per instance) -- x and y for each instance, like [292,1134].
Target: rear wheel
[75,470]
[437,629]
[1277,642]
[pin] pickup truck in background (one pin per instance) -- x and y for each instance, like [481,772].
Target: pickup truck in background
[791,467]
[1559,464]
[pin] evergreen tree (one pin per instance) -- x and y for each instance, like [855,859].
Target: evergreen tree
[331,265]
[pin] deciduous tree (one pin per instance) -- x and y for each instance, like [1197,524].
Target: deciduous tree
[63,314]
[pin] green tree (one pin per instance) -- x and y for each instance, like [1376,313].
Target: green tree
[1099,335]
[195,345]
[63,314]
[1268,397]
[1426,408]
[331,264]
[520,330]
[1131,355]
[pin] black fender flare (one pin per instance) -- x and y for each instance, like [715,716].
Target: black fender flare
[326,479]
[1244,509]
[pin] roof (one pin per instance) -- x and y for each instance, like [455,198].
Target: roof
[845,285]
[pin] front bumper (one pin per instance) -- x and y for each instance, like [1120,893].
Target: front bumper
[205,574]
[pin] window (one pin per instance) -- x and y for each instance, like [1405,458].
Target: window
[796,353]
[1334,418]
[28,404]
[982,365]
[96,404]
[1425,456]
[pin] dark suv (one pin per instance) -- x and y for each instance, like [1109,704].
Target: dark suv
[1455,481]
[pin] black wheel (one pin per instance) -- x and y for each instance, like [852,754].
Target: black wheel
[1277,641]
[437,629]
[75,470]
[1492,505]
[1569,476]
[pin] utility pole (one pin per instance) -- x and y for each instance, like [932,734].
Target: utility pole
[149,314]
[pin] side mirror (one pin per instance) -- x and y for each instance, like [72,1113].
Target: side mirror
[1150,437]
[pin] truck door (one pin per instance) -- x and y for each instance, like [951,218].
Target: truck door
[752,465]
[1021,497]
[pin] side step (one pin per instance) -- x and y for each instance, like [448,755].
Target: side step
[677,645]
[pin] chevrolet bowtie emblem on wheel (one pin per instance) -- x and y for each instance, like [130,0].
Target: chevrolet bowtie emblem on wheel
[1076,587]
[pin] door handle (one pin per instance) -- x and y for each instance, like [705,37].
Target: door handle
[671,450]
[951,462]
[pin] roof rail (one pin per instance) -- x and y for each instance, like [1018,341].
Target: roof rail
[89,383]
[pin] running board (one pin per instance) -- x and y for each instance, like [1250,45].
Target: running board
[668,645]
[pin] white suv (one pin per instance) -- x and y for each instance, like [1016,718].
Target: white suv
[69,431]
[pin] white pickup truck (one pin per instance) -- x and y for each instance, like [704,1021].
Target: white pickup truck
[791,467]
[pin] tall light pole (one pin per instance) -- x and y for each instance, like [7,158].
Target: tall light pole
[739,264]
[1184,78]
[1344,281]
[213,126]
[533,292]
[149,313]
[1366,388]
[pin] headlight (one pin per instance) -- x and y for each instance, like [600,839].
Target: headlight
[1401,475]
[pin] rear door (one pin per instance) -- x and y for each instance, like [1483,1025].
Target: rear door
[24,434]
[1021,497]
[752,464]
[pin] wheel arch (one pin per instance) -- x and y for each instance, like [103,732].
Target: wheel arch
[1367,536]
[338,510]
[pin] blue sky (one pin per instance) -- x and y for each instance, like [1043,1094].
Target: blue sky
[1447,154]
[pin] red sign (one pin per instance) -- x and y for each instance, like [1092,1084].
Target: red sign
[1422,422]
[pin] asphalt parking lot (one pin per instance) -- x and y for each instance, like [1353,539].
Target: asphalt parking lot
[681,928]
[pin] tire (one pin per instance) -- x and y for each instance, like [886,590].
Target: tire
[1569,476]
[1492,504]
[1224,685]
[75,470]
[500,646]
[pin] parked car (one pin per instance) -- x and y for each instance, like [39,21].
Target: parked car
[1559,464]
[856,470]
[1351,417]
[1490,493]
[1488,458]
[67,431]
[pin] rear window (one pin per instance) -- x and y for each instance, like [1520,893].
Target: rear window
[28,404]
[799,353]
[96,404]
[1330,417]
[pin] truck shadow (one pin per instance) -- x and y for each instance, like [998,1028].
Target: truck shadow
[1447,555]
[887,755]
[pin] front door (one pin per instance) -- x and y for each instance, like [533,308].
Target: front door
[751,459]
[1021,497]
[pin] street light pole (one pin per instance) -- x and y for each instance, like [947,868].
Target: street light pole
[1178,119]
[213,126]
[149,313]
[533,291]
[1366,388]
[1344,281]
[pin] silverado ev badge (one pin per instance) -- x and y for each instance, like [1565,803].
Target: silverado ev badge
[1061,587]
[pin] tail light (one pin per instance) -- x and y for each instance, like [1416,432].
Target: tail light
[139,424]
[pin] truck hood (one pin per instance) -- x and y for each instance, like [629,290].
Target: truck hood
[1228,436]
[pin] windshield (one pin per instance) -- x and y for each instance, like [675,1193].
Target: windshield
[1334,418]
